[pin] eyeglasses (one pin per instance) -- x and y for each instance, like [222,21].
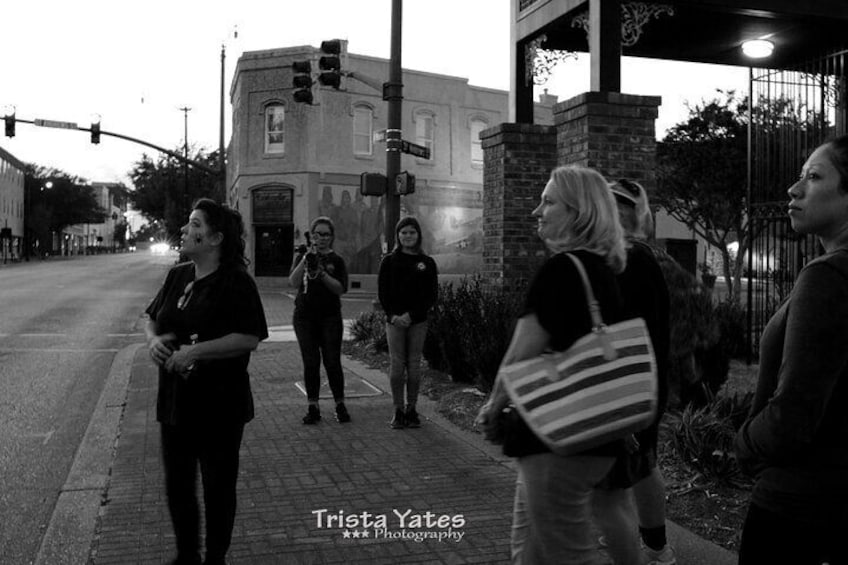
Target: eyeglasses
[629,186]
[183,300]
[322,234]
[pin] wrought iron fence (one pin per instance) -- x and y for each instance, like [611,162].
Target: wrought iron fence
[792,111]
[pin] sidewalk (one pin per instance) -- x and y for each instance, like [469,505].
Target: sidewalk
[294,479]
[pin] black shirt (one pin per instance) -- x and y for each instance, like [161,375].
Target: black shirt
[219,304]
[558,299]
[645,294]
[318,301]
[408,283]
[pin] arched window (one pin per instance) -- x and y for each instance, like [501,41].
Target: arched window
[363,130]
[275,120]
[477,125]
[424,131]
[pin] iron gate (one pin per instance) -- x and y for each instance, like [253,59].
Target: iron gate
[791,112]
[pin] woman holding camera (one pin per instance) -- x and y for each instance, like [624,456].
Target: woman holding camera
[407,287]
[202,326]
[320,276]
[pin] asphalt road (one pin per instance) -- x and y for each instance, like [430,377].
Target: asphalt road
[62,321]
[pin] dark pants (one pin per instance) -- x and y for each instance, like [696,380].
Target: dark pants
[768,537]
[321,338]
[216,449]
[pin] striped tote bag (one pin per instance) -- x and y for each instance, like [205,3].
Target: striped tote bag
[602,388]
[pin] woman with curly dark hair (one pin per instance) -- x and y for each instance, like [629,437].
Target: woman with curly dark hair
[203,325]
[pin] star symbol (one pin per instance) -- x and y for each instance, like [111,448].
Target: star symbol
[356,534]
[365,533]
[346,534]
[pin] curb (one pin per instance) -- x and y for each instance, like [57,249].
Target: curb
[74,519]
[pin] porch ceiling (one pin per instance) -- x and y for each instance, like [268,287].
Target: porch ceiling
[712,31]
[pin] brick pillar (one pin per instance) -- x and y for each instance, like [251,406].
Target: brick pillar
[611,132]
[518,159]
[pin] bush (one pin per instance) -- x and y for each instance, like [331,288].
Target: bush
[470,330]
[703,438]
[370,328]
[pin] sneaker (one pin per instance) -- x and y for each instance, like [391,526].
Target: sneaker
[399,421]
[341,413]
[412,420]
[664,556]
[313,415]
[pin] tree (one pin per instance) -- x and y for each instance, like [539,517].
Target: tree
[159,188]
[702,178]
[58,200]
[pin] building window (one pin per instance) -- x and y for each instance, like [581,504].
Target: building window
[424,131]
[275,119]
[363,123]
[477,125]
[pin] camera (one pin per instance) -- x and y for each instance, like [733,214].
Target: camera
[311,263]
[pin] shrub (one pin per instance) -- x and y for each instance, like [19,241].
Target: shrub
[703,438]
[469,331]
[370,328]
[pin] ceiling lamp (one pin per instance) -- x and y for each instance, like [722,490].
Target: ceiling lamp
[758,48]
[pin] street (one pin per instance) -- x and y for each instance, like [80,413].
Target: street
[63,322]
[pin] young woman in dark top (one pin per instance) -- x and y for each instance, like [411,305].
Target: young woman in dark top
[645,295]
[552,521]
[407,288]
[320,276]
[203,324]
[795,440]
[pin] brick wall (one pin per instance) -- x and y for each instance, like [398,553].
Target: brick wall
[518,159]
[611,132]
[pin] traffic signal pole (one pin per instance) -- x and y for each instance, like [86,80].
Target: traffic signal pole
[393,93]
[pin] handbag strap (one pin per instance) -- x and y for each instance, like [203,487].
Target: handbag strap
[594,307]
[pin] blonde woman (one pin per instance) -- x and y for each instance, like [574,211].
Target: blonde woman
[552,521]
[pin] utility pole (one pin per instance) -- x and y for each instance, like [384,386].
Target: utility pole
[184,208]
[393,93]
[222,166]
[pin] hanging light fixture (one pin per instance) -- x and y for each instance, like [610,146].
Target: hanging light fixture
[758,48]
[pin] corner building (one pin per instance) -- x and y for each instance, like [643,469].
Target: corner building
[291,162]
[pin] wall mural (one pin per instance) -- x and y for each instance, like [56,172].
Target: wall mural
[452,228]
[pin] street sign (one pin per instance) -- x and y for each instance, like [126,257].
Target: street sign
[380,136]
[55,124]
[415,150]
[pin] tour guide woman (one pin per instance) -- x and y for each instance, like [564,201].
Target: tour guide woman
[203,324]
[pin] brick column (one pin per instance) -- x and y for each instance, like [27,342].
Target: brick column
[518,159]
[611,132]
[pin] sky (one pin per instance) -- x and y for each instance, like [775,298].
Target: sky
[136,64]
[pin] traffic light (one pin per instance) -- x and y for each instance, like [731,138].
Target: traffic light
[372,184]
[10,124]
[404,183]
[331,62]
[95,132]
[302,82]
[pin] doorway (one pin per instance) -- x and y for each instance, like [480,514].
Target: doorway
[274,250]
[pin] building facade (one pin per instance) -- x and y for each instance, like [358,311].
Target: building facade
[291,162]
[109,235]
[12,206]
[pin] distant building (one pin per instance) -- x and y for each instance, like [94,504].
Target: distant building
[110,235]
[291,162]
[12,206]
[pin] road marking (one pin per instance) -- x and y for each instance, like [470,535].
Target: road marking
[42,335]
[45,435]
[279,334]
[125,335]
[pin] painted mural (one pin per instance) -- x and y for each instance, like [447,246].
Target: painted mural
[452,228]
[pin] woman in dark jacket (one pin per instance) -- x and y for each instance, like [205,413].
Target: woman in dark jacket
[407,288]
[203,325]
[795,440]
